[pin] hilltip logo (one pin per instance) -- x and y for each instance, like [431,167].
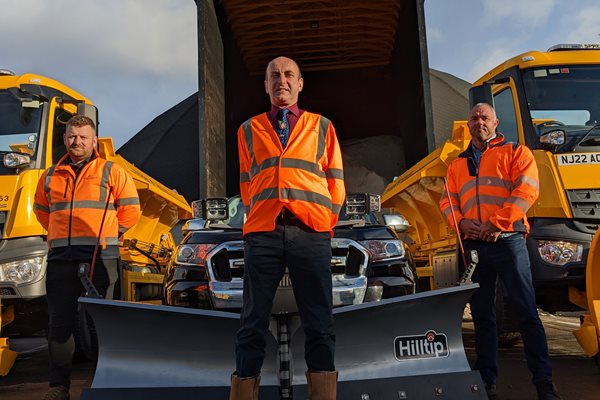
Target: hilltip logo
[429,345]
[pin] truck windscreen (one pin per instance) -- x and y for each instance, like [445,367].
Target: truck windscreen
[20,127]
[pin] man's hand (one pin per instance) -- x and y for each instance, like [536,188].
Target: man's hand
[489,232]
[471,228]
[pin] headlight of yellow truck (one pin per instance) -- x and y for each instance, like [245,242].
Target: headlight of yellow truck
[21,271]
[559,252]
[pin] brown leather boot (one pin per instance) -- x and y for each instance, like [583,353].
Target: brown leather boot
[244,388]
[322,385]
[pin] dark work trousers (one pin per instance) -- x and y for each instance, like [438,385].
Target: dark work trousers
[307,254]
[507,259]
[63,288]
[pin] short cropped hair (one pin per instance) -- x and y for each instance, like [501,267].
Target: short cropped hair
[81,120]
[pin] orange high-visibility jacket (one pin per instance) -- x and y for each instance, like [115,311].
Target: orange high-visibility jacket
[307,177]
[70,207]
[500,190]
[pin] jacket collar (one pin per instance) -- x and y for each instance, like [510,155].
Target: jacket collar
[65,160]
[495,142]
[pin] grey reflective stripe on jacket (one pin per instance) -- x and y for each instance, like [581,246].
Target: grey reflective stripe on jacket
[83,241]
[104,182]
[65,205]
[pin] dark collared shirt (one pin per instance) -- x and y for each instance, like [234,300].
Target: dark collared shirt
[291,116]
[478,153]
[77,166]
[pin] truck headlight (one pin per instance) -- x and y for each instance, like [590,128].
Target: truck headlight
[194,254]
[559,252]
[16,160]
[381,250]
[21,271]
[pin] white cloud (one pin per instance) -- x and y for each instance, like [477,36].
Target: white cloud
[531,13]
[133,58]
[489,60]
[584,26]
[151,36]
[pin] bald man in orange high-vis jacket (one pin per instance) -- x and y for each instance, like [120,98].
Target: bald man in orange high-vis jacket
[292,183]
[490,187]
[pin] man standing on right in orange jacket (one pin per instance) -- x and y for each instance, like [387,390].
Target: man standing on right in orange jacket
[490,187]
[292,182]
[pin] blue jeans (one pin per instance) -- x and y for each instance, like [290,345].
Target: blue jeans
[307,255]
[508,260]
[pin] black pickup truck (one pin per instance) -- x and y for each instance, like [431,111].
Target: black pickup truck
[369,262]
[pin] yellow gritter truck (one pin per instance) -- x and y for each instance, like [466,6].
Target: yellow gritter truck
[33,113]
[550,102]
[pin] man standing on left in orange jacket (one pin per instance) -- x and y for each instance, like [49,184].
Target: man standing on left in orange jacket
[82,200]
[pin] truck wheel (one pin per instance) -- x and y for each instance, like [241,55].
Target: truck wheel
[86,340]
[507,327]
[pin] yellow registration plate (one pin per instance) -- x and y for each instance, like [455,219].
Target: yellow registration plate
[578,158]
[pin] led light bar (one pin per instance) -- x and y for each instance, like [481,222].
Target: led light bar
[360,204]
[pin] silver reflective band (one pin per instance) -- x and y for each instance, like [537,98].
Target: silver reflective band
[128,201]
[268,193]
[83,241]
[104,181]
[303,165]
[40,207]
[335,173]
[267,163]
[304,195]
[323,127]
[97,205]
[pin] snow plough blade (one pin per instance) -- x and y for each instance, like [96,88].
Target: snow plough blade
[408,347]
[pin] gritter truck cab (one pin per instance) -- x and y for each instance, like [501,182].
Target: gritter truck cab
[550,102]
[33,115]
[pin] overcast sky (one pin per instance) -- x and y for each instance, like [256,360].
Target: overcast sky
[137,58]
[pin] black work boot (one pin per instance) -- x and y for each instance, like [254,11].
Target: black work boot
[547,391]
[57,393]
[490,390]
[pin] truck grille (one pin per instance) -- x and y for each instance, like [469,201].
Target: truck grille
[226,261]
[585,203]
[7,291]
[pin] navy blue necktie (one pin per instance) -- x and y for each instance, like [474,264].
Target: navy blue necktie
[283,126]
